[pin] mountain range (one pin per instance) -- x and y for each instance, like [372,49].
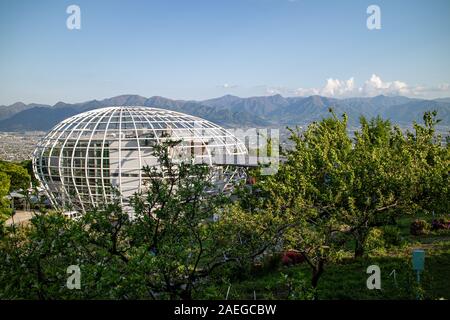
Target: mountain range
[233,111]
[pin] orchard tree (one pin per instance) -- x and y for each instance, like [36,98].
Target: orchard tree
[431,165]
[185,228]
[379,180]
[333,186]
[167,250]
[394,174]
[172,227]
[307,191]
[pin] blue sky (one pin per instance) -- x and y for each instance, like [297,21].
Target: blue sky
[197,49]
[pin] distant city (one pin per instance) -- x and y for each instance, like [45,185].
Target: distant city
[18,146]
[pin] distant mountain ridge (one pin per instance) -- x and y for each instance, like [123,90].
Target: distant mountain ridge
[233,111]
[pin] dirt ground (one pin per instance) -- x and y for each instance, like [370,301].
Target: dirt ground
[20,217]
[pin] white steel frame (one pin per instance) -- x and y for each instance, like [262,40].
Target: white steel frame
[79,138]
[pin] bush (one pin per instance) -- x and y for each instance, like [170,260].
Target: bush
[392,236]
[375,240]
[272,262]
[298,287]
[268,263]
[236,271]
[419,227]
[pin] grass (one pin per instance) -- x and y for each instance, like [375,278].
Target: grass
[347,279]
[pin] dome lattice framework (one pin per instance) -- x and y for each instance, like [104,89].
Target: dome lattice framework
[84,160]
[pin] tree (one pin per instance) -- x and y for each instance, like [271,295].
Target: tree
[431,165]
[307,191]
[19,177]
[28,165]
[167,250]
[5,210]
[173,223]
[394,174]
[378,180]
[186,228]
[333,186]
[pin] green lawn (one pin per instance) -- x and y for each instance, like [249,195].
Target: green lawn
[347,279]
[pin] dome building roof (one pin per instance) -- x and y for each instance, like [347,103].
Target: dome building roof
[83,158]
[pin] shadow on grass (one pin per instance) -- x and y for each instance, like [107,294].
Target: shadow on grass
[347,280]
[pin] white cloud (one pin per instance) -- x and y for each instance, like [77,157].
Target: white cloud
[372,87]
[376,86]
[344,88]
[336,87]
[228,86]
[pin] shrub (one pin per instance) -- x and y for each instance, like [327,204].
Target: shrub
[235,271]
[298,287]
[267,263]
[419,227]
[375,240]
[392,236]
[272,262]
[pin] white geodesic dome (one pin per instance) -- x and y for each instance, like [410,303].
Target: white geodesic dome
[84,160]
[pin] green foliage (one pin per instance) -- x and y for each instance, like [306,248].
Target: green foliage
[419,227]
[375,241]
[379,184]
[332,186]
[19,176]
[334,197]
[301,193]
[28,165]
[5,210]
[271,262]
[383,238]
[298,288]
[392,236]
[347,279]
[431,166]
[168,250]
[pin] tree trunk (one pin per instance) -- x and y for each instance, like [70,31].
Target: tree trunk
[359,246]
[317,272]
[186,294]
